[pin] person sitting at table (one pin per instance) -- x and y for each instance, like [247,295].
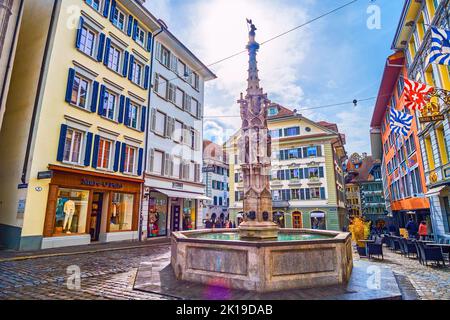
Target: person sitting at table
[423,230]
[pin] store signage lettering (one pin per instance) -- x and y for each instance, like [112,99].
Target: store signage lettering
[101,184]
[435,118]
[177,185]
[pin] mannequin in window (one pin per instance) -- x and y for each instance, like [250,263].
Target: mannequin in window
[69,211]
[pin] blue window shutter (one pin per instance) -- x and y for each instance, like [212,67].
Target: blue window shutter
[149,42]
[87,155]
[130,25]
[106,8]
[300,173]
[121,109]
[95,153]
[302,194]
[101,104]
[126,56]
[113,10]
[80,28]
[101,47]
[62,143]
[146,77]
[308,195]
[141,158]
[117,156]
[322,193]
[108,46]
[94,99]
[306,173]
[130,72]
[70,85]
[305,152]
[126,119]
[135,28]
[122,158]
[321,175]
[143,118]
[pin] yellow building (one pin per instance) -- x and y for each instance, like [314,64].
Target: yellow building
[307,181]
[72,140]
[413,36]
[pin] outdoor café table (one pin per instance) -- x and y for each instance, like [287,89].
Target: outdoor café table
[444,246]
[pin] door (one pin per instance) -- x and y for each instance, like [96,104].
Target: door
[96,216]
[297,220]
[176,218]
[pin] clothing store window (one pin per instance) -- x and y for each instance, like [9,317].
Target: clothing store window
[157,215]
[189,214]
[121,212]
[71,211]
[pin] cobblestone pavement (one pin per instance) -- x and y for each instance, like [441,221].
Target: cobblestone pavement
[430,283]
[111,274]
[104,275]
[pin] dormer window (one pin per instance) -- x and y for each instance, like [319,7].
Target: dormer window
[273,111]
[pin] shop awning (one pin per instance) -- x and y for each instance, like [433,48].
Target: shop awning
[183,194]
[434,191]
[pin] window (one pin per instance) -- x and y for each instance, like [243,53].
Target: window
[294,131]
[119,19]
[110,105]
[96,4]
[416,181]
[273,111]
[137,71]
[87,41]
[181,68]
[177,167]
[114,59]
[121,212]
[179,98]
[178,134]
[165,57]
[80,91]
[71,211]
[161,86]
[134,115]
[104,154]
[293,153]
[295,194]
[130,159]
[160,124]
[277,133]
[315,193]
[194,107]
[73,146]
[192,144]
[442,144]
[140,38]
[312,151]
[313,172]
[158,158]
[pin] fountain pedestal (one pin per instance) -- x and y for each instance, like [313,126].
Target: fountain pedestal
[258,230]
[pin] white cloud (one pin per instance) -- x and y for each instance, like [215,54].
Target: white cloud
[217,29]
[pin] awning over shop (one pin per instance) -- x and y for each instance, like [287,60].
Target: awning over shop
[183,194]
[434,191]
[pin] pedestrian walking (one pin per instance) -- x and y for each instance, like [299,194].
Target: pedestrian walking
[423,230]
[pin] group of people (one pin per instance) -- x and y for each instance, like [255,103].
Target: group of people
[417,231]
[218,223]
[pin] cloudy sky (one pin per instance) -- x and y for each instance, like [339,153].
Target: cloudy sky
[332,60]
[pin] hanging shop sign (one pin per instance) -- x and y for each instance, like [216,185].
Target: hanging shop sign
[438,100]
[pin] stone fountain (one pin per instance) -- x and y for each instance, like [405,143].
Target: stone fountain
[258,256]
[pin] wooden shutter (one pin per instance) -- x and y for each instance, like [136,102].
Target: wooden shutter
[199,110]
[171,166]
[126,57]
[94,97]
[101,47]
[167,127]
[186,131]
[319,151]
[151,159]
[156,83]
[107,48]
[158,51]
[62,143]
[153,119]
[88,151]
[69,88]
[130,25]
[173,63]
[117,156]
[187,100]
[166,164]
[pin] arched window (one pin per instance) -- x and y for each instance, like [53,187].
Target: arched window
[318,220]
[297,222]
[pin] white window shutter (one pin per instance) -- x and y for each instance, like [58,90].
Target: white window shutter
[158,51]
[185,134]
[153,119]
[199,110]
[171,166]
[151,159]
[188,102]
[156,83]
[166,164]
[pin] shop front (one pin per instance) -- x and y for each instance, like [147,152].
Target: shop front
[85,207]
[171,211]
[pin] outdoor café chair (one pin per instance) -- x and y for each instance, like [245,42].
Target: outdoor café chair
[375,249]
[430,254]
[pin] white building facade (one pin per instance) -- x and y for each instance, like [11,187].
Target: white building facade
[215,177]
[173,182]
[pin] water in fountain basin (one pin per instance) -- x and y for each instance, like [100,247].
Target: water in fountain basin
[234,236]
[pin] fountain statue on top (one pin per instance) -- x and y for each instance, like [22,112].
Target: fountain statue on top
[255,153]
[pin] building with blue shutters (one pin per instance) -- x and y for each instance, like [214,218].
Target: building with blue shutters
[73,135]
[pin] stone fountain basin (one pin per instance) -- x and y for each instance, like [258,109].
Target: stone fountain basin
[263,266]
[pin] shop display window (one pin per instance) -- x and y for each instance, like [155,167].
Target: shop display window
[157,216]
[71,211]
[189,214]
[121,212]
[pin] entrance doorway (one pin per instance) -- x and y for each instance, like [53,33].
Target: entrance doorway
[176,217]
[96,216]
[297,222]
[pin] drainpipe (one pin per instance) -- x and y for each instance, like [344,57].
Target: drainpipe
[39,89]
[141,217]
[11,51]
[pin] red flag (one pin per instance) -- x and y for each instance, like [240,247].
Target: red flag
[416,94]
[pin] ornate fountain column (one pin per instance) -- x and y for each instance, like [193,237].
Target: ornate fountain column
[255,153]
